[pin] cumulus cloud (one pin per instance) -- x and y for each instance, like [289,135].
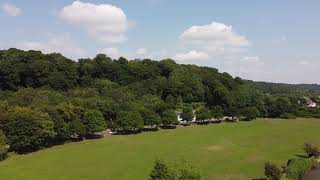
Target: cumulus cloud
[216,38]
[60,43]
[191,56]
[10,9]
[105,22]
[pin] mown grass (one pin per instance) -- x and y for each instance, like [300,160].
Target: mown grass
[219,151]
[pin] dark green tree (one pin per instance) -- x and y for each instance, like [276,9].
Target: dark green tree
[250,113]
[94,122]
[169,118]
[202,114]
[187,114]
[150,118]
[26,129]
[129,120]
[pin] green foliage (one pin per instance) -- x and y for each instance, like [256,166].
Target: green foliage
[272,172]
[161,171]
[189,174]
[311,150]
[297,168]
[129,120]
[27,129]
[169,117]
[203,114]
[3,148]
[250,113]
[93,121]
[150,118]
[187,114]
[217,112]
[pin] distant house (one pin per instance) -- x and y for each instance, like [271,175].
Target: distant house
[311,104]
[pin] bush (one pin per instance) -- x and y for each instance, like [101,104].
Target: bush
[3,149]
[161,171]
[189,174]
[26,129]
[297,168]
[311,150]
[272,171]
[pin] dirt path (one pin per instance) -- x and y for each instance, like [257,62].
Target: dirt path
[314,175]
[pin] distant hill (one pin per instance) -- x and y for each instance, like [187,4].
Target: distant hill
[280,88]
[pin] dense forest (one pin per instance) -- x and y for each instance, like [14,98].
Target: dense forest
[47,99]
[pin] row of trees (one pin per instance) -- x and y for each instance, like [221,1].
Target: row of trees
[47,99]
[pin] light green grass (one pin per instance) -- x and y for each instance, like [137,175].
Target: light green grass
[222,151]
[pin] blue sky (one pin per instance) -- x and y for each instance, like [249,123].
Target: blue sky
[261,40]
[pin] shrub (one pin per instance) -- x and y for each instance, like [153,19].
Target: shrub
[297,168]
[272,171]
[311,150]
[161,171]
[189,174]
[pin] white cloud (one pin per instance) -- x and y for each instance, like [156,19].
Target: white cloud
[142,51]
[191,56]
[10,9]
[216,38]
[60,43]
[106,23]
[111,52]
[250,59]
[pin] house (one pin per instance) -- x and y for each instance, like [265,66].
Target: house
[311,104]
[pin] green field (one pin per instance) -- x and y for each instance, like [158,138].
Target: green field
[222,151]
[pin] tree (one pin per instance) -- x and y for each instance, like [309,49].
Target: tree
[272,171]
[161,171]
[26,129]
[169,118]
[202,114]
[187,114]
[94,122]
[150,118]
[217,112]
[250,113]
[3,148]
[129,120]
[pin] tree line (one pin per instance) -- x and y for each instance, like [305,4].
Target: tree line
[47,99]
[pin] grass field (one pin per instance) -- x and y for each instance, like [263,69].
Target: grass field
[221,151]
